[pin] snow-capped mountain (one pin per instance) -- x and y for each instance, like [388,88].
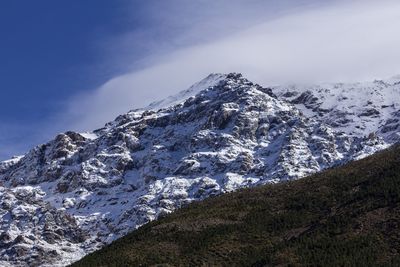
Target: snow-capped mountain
[78,192]
[356,109]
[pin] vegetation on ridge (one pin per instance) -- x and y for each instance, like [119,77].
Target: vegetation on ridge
[346,216]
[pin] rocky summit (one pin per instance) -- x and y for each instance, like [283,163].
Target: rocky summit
[80,191]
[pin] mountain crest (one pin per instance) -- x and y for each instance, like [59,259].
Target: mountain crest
[221,134]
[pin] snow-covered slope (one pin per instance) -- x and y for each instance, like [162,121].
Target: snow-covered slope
[356,109]
[78,192]
[211,80]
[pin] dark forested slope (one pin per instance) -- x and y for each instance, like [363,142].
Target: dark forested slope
[346,216]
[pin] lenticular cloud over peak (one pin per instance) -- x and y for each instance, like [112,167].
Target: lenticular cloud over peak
[335,42]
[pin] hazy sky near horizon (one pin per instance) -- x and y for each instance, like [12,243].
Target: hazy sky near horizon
[74,65]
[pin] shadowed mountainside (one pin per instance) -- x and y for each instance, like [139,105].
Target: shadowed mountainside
[345,216]
[81,191]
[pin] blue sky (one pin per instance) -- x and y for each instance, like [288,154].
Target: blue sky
[46,49]
[51,51]
[74,65]
[48,53]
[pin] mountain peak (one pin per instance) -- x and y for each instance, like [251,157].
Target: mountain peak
[211,80]
[221,134]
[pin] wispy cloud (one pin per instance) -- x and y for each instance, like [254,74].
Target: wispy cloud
[336,42]
[271,42]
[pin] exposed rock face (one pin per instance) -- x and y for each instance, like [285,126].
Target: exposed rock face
[78,192]
[355,109]
[33,232]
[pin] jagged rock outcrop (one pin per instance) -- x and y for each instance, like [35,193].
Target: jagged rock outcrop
[81,191]
[357,109]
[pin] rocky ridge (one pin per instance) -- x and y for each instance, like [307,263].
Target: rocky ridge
[78,192]
[356,109]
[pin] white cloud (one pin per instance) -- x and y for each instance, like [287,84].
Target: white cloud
[270,42]
[341,42]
